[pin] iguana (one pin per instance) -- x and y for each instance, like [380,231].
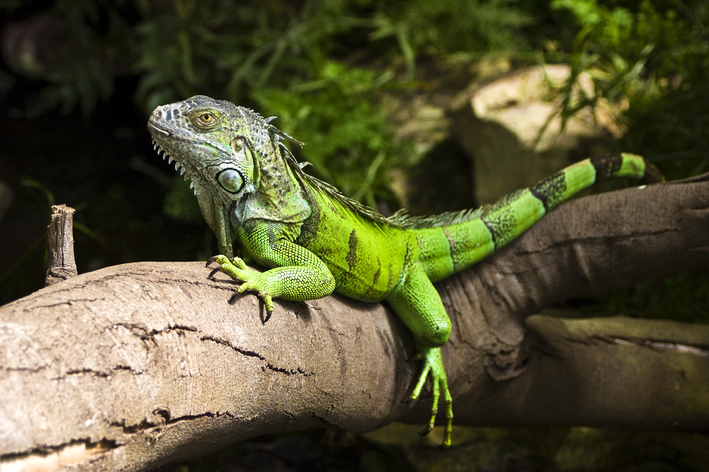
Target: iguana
[314,240]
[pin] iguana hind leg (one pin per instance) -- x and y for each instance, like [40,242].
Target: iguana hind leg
[417,303]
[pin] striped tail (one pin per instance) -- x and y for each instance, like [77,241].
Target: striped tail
[454,241]
[561,186]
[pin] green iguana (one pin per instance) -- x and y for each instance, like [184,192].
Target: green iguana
[314,240]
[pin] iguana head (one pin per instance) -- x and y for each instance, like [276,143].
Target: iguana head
[208,139]
[234,160]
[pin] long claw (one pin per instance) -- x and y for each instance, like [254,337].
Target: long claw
[449,424]
[267,300]
[422,381]
[212,259]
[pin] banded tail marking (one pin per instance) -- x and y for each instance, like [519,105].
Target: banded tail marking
[473,240]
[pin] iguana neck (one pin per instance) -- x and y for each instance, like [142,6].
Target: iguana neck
[279,196]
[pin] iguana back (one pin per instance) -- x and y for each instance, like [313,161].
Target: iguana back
[367,252]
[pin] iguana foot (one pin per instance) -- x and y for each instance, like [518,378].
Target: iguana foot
[253,280]
[433,365]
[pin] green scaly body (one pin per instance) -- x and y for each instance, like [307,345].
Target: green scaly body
[315,241]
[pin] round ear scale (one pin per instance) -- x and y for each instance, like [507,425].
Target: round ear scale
[230,180]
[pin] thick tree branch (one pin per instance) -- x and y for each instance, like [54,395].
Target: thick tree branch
[611,372]
[136,365]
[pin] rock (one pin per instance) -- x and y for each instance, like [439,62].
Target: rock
[501,123]
[438,175]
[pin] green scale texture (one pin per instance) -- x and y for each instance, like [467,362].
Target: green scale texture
[314,240]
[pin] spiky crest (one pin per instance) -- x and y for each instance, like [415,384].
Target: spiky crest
[332,192]
[400,219]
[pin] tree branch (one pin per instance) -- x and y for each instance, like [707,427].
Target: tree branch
[136,365]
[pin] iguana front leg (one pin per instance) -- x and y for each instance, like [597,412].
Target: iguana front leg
[417,303]
[253,279]
[296,273]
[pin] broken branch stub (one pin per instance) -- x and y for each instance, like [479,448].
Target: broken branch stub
[60,245]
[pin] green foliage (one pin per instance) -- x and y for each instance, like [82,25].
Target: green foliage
[653,56]
[447,26]
[292,58]
[349,153]
[604,27]
[230,49]
[673,129]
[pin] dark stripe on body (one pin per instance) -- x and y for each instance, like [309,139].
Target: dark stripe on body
[351,257]
[493,231]
[375,279]
[404,267]
[652,174]
[452,250]
[539,196]
[309,230]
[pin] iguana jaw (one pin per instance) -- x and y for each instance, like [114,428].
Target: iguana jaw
[178,166]
[166,143]
[216,211]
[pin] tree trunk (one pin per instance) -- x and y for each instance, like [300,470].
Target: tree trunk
[133,366]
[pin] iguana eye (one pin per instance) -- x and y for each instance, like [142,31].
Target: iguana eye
[231,180]
[206,118]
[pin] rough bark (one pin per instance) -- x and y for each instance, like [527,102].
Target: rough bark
[132,366]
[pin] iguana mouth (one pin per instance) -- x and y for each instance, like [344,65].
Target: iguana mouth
[159,129]
[153,127]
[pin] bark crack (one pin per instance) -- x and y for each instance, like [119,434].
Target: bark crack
[98,373]
[250,353]
[141,331]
